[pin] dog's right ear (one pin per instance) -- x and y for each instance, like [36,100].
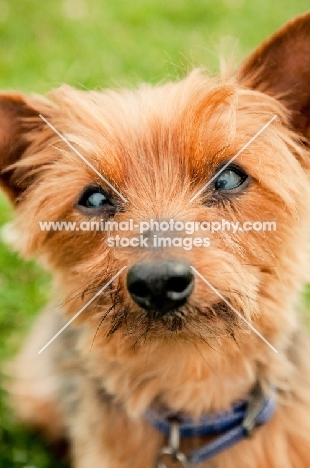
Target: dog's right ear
[19,123]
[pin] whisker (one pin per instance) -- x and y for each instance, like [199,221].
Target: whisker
[100,323]
[143,333]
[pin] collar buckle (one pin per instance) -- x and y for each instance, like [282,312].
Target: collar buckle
[255,405]
[172,450]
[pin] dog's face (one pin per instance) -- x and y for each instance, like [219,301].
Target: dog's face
[156,148]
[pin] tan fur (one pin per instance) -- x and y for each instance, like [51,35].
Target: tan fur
[158,146]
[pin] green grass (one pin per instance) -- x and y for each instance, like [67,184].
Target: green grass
[94,44]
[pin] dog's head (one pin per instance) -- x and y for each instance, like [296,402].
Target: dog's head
[170,165]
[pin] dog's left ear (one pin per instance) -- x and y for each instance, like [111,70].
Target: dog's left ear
[280,67]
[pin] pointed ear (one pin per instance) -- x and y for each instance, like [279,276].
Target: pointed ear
[19,122]
[280,67]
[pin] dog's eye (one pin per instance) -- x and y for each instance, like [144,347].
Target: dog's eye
[94,201]
[230,178]
[93,198]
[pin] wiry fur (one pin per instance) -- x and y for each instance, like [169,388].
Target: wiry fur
[158,146]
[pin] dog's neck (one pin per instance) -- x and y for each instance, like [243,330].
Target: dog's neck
[185,377]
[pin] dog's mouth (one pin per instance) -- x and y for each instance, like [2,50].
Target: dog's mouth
[174,320]
[186,321]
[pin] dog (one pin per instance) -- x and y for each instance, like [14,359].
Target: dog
[168,347]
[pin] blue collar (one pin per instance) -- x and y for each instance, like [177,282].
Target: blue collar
[229,426]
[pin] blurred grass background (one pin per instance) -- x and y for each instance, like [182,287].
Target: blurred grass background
[95,44]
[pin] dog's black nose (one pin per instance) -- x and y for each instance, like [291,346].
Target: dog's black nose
[160,286]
